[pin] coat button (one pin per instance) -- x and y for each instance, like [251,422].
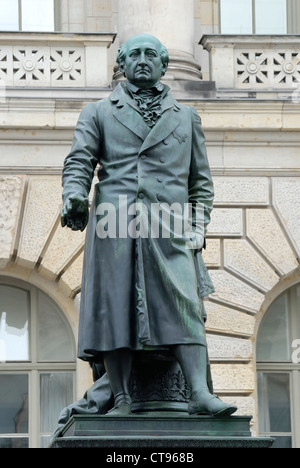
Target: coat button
[162,159]
[159,179]
[141,196]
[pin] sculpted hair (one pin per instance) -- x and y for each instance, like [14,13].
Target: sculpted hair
[122,52]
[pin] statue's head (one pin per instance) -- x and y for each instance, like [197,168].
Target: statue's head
[143,60]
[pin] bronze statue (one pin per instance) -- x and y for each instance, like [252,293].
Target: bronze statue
[142,289]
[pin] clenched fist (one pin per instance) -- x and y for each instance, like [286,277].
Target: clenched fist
[75,213]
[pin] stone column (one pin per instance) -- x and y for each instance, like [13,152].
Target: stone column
[172,22]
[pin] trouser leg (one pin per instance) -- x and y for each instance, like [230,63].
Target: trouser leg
[118,365]
[193,360]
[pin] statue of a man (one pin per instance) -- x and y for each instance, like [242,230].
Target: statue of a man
[142,285]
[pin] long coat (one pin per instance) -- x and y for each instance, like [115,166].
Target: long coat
[139,292]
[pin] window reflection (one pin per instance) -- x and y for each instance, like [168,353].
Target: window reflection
[9,17]
[32,326]
[273,341]
[14,321]
[236,16]
[253,16]
[37,15]
[51,323]
[274,402]
[27,15]
[14,408]
[271,17]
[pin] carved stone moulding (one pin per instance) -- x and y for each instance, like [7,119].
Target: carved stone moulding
[158,384]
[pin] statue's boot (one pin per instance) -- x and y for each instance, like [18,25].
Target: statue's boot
[122,406]
[209,404]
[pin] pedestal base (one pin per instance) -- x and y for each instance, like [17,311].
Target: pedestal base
[164,431]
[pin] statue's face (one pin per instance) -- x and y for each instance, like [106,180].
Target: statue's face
[143,66]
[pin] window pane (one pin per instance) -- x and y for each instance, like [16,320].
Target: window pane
[13,404]
[14,318]
[271,16]
[282,443]
[14,443]
[9,17]
[236,16]
[37,15]
[274,403]
[56,394]
[55,340]
[273,343]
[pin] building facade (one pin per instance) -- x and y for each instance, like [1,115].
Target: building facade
[238,64]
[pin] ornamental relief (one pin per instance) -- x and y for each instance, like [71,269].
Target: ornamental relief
[267,68]
[43,66]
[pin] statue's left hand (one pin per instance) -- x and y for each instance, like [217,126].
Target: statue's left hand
[195,241]
[75,213]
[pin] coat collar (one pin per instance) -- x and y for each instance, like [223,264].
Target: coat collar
[127,113]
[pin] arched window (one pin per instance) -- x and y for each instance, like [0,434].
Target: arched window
[278,364]
[37,365]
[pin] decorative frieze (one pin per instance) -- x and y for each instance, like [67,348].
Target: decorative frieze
[54,60]
[267,68]
[256,62]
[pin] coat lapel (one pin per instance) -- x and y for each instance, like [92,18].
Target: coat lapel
[127,115]
[168,122]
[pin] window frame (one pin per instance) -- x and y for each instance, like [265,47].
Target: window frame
[293,17]
[287,367]
[34,368]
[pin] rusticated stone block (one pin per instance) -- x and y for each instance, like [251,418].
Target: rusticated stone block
[71,280]
[233,378]
[212,254]
[286,194]
[64,245]
[226,222]
[235,292]
[241,191]
[224,319]
[11,192]
[229,349]
[265,232]
[243,259]
[41,211]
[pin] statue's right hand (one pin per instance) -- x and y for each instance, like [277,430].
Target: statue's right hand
[75,213]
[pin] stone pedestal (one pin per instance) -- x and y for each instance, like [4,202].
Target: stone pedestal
[164,431]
